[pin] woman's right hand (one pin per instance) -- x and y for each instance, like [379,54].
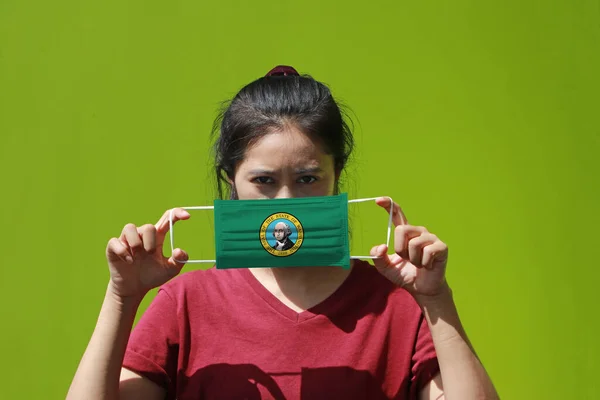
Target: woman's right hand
[136,261]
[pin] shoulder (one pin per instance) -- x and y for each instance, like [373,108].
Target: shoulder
[189,279]
[397,299]
[207,284]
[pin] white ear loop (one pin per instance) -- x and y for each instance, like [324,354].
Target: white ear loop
[387,242]
[171,235]
[389,229]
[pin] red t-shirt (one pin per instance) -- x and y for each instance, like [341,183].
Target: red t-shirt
[220,334]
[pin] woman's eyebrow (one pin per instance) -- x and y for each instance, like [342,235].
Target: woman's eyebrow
[311,170]
[298,171]
[261,171]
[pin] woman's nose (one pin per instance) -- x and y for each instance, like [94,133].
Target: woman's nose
[284,192]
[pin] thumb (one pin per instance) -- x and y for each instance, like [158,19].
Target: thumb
[382,260]
[178,259]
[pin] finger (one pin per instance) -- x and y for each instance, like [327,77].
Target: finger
[398,217]
[117,248]
[162,226]
[148,234]
[178,259]
[433,252]
[382,259]
[402,235]
[416,245]
[132,238]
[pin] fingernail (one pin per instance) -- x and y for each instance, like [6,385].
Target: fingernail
[381,249]
[129,259]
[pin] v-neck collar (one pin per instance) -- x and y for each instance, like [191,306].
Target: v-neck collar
[324,307]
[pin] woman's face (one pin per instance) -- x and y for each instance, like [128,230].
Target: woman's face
[285,164]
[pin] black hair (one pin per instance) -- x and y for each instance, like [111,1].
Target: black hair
[270,103]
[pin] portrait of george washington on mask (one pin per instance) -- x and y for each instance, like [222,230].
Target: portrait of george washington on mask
[282,233]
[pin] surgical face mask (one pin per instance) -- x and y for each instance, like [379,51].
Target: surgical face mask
[291,232]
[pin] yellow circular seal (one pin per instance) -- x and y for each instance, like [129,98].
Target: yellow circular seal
[281,234]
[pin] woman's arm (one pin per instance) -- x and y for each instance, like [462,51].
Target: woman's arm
[419,265]
[99,371]
[136,264]
[462,374]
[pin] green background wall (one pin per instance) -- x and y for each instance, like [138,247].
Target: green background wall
[480,118]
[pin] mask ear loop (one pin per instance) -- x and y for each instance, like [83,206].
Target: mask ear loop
[389,228]
[172,240]
[171,234]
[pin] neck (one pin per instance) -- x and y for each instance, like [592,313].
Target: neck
[301,288]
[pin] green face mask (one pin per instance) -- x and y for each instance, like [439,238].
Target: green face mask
[292,232]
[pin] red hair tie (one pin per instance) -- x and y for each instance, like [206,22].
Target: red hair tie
[283,70]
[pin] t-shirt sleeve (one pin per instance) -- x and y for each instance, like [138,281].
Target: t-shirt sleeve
[153,346]
[424,361]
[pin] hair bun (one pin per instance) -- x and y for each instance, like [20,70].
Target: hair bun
[283,70]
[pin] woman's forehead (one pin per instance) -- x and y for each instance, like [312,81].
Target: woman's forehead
[289,149]
[288,139]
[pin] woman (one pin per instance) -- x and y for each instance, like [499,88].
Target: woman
[388,331]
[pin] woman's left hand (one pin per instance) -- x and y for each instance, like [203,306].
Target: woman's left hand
[419,260]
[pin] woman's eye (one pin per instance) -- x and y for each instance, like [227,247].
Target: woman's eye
[263,180]
[307,179]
